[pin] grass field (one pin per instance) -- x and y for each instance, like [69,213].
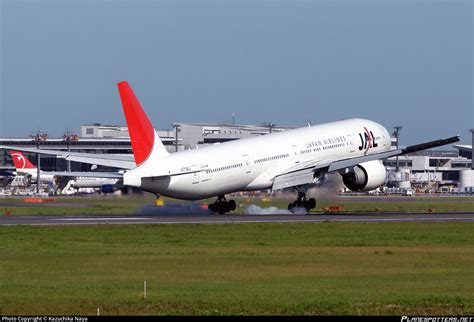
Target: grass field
[100,205]
[248,269]
[409,205]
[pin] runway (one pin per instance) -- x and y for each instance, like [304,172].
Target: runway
[227,219]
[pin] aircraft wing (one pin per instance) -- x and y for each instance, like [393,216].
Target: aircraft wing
[109,160]
[309,172]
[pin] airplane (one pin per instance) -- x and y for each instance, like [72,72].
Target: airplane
[295,158]
[25,168]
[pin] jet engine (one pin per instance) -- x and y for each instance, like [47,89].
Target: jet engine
[108,188]
[365,176]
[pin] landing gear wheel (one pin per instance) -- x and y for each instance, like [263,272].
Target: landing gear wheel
[311,203]
[301,202]
[292,206]
[212,207]
[232,205]
[221,206]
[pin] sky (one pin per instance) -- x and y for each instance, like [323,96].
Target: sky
[397,62]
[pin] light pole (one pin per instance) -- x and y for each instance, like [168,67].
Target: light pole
[396,134]
[270,126]
[68,137]
[472,149]
[38,171]
[38,137]
[177,130]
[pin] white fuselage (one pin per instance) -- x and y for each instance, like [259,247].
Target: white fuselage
[79,182]
[92,182]
[252,163]
[33,174]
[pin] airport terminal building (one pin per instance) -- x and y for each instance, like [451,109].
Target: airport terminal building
[186,136]
[432,171]
[112,139]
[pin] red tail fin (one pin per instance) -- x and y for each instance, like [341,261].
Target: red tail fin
[140,129]
[20,161]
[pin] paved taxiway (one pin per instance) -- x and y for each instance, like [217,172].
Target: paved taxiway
[233,218]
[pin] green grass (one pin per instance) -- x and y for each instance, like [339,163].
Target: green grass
[415,205]
[100,205]
[88,205]
[249,269]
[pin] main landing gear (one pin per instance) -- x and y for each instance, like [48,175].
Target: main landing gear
[302,203]
[222,206]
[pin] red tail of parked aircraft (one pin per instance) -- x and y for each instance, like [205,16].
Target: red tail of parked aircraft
[20,161]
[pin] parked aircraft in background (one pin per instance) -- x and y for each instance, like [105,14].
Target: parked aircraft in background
[76,180]
[25,168]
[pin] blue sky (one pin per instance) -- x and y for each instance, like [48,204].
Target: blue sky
[287,62]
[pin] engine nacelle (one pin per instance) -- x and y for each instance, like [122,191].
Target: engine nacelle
[108,188]
[365,176]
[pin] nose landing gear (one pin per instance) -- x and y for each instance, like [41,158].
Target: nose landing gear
[302,203]
[222,206]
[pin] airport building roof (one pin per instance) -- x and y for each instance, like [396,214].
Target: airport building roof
[464,150]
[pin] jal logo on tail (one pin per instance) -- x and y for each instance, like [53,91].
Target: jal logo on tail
[367,140]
